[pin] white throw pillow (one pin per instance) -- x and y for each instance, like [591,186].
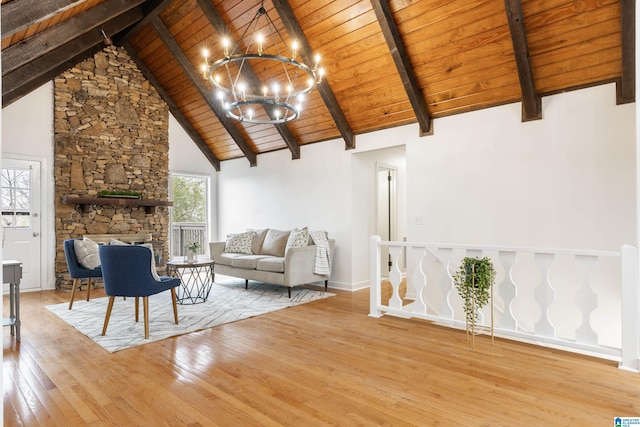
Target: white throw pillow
[154,273]
[239,243]
[275,242]
[116,242]
[87,253]
[297,239]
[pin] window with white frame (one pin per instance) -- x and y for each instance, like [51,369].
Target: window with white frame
[189,227]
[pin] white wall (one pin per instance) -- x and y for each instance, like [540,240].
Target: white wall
[186,158]
[281,193]
[567,181]
[27,134]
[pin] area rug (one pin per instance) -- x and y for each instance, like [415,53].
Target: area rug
[227,302]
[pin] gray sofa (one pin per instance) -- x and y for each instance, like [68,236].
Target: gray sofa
[271,257]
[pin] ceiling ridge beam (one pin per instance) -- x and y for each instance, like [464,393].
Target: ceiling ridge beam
[220,27]
[205,92]
[293,28]
[175,110]
[403,64]
[152,8]
[531,102]
[626,85]
[45,68]
[18,15]
[13,57]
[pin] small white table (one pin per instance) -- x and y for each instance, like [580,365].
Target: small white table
[12,273]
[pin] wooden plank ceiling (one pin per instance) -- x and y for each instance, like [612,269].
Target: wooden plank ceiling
[388,63]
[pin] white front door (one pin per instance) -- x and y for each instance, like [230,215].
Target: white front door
[21,219]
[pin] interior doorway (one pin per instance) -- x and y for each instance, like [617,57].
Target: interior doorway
[386,210]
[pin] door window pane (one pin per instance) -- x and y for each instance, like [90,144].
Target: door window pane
[16,198]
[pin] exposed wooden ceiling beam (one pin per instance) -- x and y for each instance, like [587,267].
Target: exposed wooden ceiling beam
[152,8]
[18,15]
[175,110]
[252,80]
[293,28]
[13,57]
[205,92]
[37,72]
[403,64]
[531,102]
[626,85]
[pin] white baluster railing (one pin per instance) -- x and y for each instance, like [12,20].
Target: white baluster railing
[533,297]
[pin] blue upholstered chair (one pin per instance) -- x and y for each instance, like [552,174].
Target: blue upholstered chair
[78,272]
[126,272]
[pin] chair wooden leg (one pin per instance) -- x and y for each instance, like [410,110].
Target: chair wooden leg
[76,282]
[246,284]
[137,308]
[108,315]
[326,285]
[289,288]
[145,304]
[175,305]
[88,287]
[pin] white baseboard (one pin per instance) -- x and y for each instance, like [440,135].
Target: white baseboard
[343,286]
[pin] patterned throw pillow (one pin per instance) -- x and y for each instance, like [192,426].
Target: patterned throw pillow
[87,253]
[239,243]
[297,238]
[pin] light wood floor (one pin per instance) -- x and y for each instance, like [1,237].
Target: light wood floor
[322,363]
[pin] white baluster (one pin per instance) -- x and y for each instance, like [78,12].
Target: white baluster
[545,295]
[419,280]
[375,281]
[508,290]
[446,283]
[586,300]
[395,277]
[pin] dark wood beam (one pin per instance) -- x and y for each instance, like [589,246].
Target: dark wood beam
[19,54]
[249,75]
[18,15]
[205,92]
[43,69]
[293,28]
[403,64]
[175,110]
[152,8]
[626,85]
[531,102]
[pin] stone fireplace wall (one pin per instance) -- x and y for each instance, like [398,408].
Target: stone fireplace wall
[111,133]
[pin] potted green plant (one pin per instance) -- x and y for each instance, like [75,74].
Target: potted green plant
[193,250]
[474,282]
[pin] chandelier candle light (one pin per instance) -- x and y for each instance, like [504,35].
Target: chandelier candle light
[276,96]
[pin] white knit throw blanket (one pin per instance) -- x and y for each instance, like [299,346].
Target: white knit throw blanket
[322,265]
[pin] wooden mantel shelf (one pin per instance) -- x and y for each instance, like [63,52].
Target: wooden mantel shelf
[86,202]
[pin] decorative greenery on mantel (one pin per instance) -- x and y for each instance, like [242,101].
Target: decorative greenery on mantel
[125,194]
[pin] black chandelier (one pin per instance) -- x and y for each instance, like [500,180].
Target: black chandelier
[276,96]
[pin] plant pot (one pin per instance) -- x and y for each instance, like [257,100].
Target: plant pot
[191,257]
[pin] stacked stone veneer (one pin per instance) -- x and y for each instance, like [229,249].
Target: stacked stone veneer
[111,133]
